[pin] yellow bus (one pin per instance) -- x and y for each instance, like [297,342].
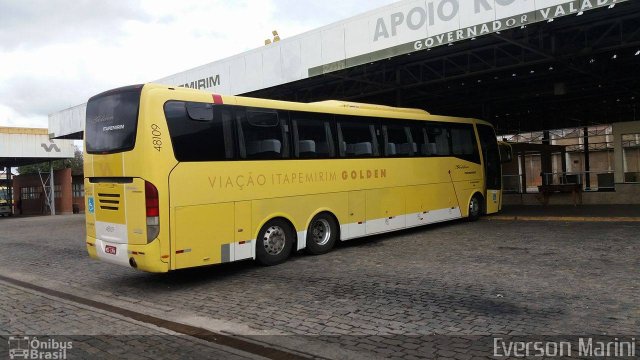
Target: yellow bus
[178,178]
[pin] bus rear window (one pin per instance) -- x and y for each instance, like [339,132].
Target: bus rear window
[112,119]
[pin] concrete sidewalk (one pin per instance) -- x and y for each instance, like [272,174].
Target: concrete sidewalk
[591,213]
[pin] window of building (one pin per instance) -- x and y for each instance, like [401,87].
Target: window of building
[631,157]
[77,189]
[30,193]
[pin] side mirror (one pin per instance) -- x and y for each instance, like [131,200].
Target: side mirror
[506,153]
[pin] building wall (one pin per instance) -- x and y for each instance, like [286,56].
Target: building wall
[36,203]
[77,187]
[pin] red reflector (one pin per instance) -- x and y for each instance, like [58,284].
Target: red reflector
[217,99]
[242,242]
[151,199]
[179,251]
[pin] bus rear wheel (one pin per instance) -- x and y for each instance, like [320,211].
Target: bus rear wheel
[274,242]
[321,234]
[475,208]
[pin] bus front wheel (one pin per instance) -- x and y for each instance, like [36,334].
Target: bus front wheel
[475,208]
[321,234]
[274,242]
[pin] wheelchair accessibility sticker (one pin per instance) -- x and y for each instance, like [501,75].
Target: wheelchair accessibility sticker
[91,205]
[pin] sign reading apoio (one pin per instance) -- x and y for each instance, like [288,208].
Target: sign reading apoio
[447,14]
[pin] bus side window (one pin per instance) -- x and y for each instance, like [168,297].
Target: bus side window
[205,134]
[358,137]
[397,140]
[439,140]
[312,136]
[464,144]
[262,134]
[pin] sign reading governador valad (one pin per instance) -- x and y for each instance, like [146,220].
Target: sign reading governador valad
[435,15]
[448,10]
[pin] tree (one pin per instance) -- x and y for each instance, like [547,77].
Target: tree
[75,164]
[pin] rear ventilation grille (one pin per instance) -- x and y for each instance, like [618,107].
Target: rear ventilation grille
[109,201]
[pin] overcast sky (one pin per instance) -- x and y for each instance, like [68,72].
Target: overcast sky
[55,54]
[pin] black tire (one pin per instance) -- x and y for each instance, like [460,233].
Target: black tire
[274,242]
[321,234]
[475,207]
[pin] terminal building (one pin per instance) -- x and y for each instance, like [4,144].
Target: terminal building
[44,192]
[560,73]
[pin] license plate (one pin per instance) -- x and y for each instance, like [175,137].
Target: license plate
[110,249]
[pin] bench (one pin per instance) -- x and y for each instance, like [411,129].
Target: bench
[545,191]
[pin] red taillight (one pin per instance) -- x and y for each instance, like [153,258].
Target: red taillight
[152,204]
[151,199]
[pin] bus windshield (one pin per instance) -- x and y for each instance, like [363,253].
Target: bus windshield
[112,118]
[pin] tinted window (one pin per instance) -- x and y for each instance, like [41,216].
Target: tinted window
[439,140]
[463,142]
[262,134]
[419,138]
[491,155]
[397,140]
[312,135]
[357,137]
[112,120]
[200,139]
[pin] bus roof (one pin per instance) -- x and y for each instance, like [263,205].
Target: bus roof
[329,106]
[364,106]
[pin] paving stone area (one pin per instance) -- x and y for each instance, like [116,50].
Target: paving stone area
[92,333]
[483,278]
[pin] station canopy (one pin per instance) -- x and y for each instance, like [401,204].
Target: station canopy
[25,146]
[524,65]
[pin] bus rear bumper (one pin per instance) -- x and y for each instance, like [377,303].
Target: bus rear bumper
[141,257]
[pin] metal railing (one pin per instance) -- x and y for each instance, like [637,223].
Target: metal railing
[512,184]
[590,181]
[632,177]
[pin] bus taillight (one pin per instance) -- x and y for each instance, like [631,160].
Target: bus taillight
[152,204]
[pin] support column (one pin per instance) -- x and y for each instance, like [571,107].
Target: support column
[9,187]
[587,166]
[52,189]
[546,137]
[523,171]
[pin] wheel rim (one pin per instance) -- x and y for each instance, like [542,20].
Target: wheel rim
[274,240]
[474,207]
[321,231]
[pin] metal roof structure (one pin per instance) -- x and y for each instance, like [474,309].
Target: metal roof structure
[521,64]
